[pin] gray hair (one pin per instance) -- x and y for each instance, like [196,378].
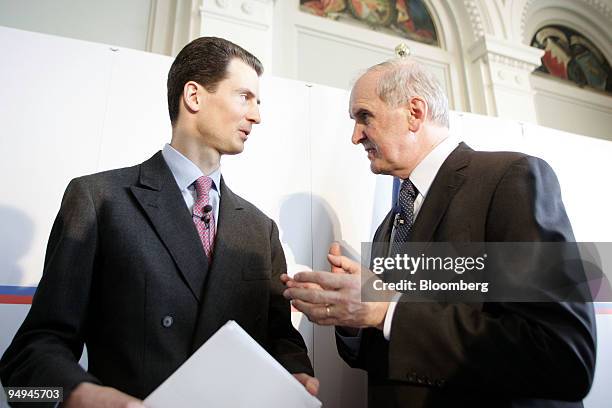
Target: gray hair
[403,79]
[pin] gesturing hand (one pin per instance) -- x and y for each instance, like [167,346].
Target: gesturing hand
[335,298]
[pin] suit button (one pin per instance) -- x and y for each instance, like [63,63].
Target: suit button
[167,321]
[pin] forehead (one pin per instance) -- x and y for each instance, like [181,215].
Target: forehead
[364,91]
[241,75]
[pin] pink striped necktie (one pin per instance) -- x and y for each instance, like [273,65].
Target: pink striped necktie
[204,220]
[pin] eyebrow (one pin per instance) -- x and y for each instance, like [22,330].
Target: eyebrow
[359,112]
[249,93]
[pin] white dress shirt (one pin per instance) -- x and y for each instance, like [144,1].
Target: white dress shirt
[185,173]
[422,177]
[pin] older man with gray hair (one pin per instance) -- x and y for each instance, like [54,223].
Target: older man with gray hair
[441,354]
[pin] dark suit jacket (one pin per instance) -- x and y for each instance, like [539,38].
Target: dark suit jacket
[485,354]
[126,274]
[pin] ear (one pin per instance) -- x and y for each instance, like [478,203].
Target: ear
[418,110]
[192,98]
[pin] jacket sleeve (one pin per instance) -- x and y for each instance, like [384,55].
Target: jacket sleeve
[286,343]
[537,350]
[47,347]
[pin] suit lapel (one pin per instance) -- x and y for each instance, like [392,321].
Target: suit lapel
[382,238]
[163,203]
[231,242]
[444,187]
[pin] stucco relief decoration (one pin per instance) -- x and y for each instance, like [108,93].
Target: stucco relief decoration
[406,18]
[571,56]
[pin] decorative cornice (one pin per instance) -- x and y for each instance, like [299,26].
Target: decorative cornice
[492,50]
[509,61]
[475,18]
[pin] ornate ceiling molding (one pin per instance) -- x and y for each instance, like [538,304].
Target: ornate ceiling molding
[526,8]
[600,7]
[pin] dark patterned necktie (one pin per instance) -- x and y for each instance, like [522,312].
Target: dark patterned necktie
[405,217]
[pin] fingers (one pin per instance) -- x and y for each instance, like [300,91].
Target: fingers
[92,395]
[313,296]
[325,279]
[312,386]
[304,285]
[334,249]
[319,314]
[346,264]
[316,313]
[310,383]
[290,283]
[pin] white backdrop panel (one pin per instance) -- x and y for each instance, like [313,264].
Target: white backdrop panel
[53,95]
[348,201]
[273,173]
[583,165]
[488,133]
[136,122]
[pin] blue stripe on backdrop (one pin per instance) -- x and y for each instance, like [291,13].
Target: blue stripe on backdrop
[17,290]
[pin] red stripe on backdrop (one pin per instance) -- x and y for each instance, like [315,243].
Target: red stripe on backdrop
[15,300]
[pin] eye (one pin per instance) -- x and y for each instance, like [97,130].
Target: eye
[243,97]
[364,117]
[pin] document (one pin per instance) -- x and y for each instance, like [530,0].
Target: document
[231,370]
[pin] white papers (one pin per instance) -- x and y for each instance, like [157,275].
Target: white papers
[231,370]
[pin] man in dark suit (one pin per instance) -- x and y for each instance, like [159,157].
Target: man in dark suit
[145,263]
[444,354]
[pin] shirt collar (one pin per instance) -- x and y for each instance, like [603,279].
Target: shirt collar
[185,172]
[424,173]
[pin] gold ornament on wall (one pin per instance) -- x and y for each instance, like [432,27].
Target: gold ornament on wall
[402,50]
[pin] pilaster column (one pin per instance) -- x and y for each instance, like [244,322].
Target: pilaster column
[505,71]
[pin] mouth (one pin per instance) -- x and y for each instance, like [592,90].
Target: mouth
[371,151]
[244,133]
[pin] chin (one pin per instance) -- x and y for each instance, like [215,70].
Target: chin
[379,170]
[235,149]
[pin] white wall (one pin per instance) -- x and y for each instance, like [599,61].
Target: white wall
[566,107]
[116,22]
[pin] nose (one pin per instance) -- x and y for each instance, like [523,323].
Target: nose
[358,134]
[253,115]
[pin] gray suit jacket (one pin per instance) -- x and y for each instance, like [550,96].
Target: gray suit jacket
[125,273]
[483,354]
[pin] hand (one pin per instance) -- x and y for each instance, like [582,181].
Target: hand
[310,383]
[96,396]
[338,301]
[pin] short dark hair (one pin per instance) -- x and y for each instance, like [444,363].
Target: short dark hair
[205,61]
